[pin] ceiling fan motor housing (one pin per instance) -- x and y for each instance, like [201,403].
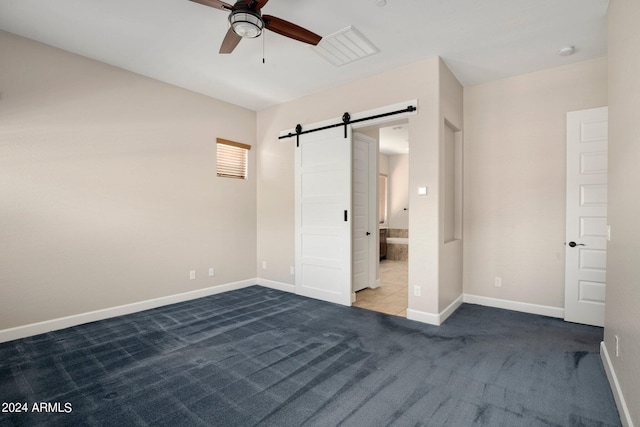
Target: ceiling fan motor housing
[246,21]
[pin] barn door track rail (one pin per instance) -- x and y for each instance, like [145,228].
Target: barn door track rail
[346,121]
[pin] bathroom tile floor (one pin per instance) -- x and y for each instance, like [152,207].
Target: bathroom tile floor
[391,296]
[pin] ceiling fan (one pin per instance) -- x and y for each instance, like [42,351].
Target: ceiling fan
[247,21]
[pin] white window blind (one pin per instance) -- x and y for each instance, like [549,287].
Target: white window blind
[232,158]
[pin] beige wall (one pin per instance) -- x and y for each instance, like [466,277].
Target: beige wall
[451,265]
[383,169]
[514,180]
[108,190]
[276,169]
[622,315]
[399,191]
[383,164]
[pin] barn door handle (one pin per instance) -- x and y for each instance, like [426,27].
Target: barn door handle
[574,244]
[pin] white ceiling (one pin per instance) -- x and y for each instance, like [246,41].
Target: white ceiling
[177,41]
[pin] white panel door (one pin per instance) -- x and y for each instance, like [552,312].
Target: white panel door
[363,227]
[323,216]
[586,227]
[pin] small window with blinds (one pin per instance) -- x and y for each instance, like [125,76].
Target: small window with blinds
[232,158]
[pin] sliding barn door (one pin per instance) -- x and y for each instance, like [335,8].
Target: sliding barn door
[323,216]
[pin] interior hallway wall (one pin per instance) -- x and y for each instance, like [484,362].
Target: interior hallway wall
[276,244]
[439,96]
[108,187]
[399,191]
[383,164]
[452,114]
[622,316]
[514,180]
[383,169]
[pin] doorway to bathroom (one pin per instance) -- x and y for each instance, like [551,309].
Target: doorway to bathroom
[390,295]
[330,228]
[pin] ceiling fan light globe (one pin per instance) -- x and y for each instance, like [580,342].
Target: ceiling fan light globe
[246,24]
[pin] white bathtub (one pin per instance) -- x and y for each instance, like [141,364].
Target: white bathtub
[398,240]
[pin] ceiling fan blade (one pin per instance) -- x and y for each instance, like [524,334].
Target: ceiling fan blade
[230,41]
[259,3]
[217,4]
[290,30]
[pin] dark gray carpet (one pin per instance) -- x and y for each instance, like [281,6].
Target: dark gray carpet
[262,357]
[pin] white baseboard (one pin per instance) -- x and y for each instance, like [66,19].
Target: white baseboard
[423,316]
[524,307]
[444,314]
[280,286]
[106,313]
[623,409]
[434,319]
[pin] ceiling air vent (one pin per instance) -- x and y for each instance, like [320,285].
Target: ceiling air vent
[345,46]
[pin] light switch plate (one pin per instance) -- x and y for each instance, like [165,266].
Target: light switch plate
[422,191]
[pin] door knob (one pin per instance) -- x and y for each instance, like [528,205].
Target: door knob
[574,244]
[368,233]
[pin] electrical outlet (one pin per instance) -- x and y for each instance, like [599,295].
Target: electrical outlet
[212,272]
[417,291]
[498,282]
[292,271]
[264,265]
[192,275]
